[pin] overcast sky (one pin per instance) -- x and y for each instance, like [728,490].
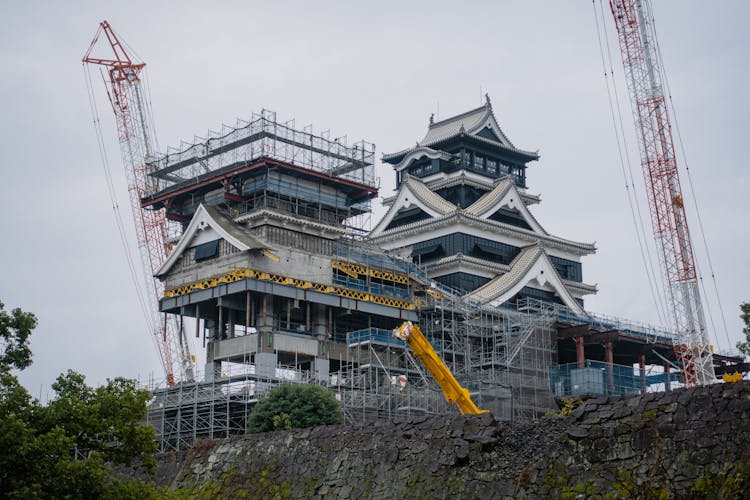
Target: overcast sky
[374,71]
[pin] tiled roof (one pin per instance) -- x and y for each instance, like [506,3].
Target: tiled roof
[226,228]
[522,270]
[427,196]
[499,227]
[470,123]
[438,268]
[420,152]
[236,230]
[460,178]
[490,198]
[518,269]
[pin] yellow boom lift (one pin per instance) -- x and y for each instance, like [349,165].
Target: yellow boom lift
[452,390]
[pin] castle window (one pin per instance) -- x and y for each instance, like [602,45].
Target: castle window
[478,162]
[207,250]
[491,166]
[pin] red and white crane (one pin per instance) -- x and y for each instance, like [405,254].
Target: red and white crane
[123,80]
[643,72]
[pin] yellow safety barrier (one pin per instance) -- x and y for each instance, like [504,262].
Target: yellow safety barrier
[355,271]
[242,273]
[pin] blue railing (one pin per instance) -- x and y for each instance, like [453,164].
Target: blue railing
[374,335]
[597,378]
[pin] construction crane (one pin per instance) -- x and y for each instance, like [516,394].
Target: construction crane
[123,81]
[412,335]
[643,72]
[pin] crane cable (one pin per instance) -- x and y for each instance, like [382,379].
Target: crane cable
[626,168]
[692,195]
[185,344]
[135,276]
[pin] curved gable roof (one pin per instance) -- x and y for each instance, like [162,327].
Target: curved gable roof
[414,192]
[504,194]
[421,152]
[470,123]
[532,264]
[210,217]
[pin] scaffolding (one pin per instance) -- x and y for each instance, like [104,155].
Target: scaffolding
[264,137]
[214,409]
[506,357]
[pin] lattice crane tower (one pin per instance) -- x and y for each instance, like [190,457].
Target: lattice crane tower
[637,39]
[133,116]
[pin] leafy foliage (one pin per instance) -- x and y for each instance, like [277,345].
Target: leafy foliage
[568,405]
[67,448]
[744,347]
[15,329]
[295,405]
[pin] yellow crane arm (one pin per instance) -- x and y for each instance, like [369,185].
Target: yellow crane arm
[452,390]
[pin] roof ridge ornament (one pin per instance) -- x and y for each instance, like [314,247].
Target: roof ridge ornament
[432,119]
[487,100]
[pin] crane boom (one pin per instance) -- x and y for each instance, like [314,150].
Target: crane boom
[637,40]
[132,116]
[452,390]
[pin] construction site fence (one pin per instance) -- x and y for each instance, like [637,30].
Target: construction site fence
[596,378]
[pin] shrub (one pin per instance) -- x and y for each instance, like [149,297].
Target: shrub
[295,405]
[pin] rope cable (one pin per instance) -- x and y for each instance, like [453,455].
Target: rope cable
[624,159]
[96,122]
[683,153]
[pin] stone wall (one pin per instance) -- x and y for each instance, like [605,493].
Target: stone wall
[690,442]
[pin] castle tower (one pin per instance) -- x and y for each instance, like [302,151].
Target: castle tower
[462,212]
[265,261]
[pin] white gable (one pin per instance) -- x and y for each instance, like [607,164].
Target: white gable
[203,228]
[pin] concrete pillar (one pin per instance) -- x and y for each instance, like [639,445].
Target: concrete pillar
[229,332]
[642,370]
[220,331]
[265,318]
[320,326]
[580,352]
[212,369]
[667,380]
[609,359]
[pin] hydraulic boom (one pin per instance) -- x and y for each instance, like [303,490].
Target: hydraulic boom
[452,390]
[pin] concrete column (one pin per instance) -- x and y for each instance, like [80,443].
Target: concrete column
[320,326]
[220,331]
[212,370]
[667,380]
[265,318]
[609,359]
[229,332]
[580,352]
[642,369]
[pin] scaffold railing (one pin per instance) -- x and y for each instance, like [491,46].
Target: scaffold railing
[651,333]
[264,136]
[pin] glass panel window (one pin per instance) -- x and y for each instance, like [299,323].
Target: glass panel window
[491,166]
[478,162]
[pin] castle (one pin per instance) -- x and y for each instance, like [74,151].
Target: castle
[274,272]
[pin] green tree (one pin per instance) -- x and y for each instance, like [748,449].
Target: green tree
[744,347]
[15,329]
[67,448]
[295,405]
